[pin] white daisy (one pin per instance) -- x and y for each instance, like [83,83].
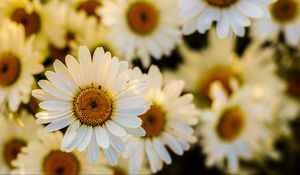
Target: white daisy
[219,62]
[230,15]
[167,123]
[234,128]
[285,18]
[142,28]
[95,99]
[18,64]
[43,156]
[89,7]
[45,21]
[13,137]
[75,34]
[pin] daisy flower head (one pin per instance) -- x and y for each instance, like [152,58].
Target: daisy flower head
[95,100]
[13,137]
[43,156]
[167,123]
[285,18]
[18,64]
[234,128]
[229,15]
[45,21]
[142,28]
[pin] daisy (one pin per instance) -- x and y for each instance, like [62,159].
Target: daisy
[95,100]
[89,7]
[45,21]
[218,62]
[43,156]
[167,123]
[75,34]
[13,137]
[285,18]
[142,28]
[18,64]
[234,128]
[230,15]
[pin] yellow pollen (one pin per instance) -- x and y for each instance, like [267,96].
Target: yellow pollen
[12,149]
[61,163]
[142,18]
[10,69]
[31,22]
[231,124]
[93,107]
[153,121]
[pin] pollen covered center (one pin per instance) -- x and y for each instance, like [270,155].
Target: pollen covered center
[12,149]
[10,69]
[61,163]
[285,10]
[153,121]
[231,124]
[221,3]
[93,107]
[30,21]
[222,74]
[142,18]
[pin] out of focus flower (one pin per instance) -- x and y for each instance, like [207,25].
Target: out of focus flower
[43,156]
[285,18]
[18,64]
[95,99]
[234,129]
[14,137]
[167,123]
[219,63]
[89,7]
[142,28]
[230,15]
[45,21]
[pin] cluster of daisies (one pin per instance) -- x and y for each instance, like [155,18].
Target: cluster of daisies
[80,92]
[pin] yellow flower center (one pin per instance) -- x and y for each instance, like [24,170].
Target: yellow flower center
[153,121]
[221,3]
[142,18]
[90,7]
[231,124]
[93,106]
[30,21]
[293,84]
[285,10]
[10,68]
[61,163]
[222,74]
[12,149]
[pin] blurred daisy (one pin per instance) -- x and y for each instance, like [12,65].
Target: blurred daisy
[13,137]
[43,156]
[45,21]
[285,18]
[167,123]
[95,100]
[18,64]
[142,28]
[218,62]
[89,7]
[75,34]
[234,129]
[230,15]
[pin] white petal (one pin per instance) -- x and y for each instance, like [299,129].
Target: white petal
[54,126]
[55,105]
[128,121]
[173,144]
[101,137]
[115,129]
[161,151]
[112,155]
[86,139]
[155,163]
[137,159]
[93,150]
